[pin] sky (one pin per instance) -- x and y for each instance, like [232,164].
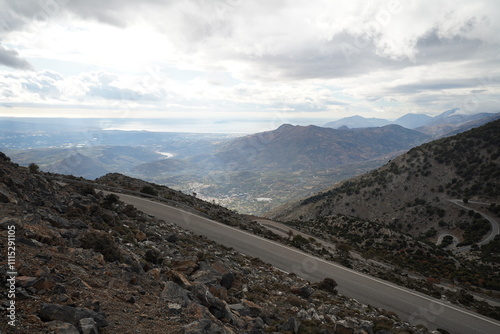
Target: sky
[247,65]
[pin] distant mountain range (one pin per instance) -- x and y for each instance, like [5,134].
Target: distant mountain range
[436,126]
[287,163]
[412,190]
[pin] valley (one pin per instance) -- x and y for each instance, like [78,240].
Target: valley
[383,223]
[252,174]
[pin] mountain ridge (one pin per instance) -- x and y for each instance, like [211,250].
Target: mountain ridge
[449,119]
[295,147]
[412,189]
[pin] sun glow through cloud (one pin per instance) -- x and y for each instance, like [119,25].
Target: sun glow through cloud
[306,61]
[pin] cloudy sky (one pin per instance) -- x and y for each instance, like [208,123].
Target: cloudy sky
[264,62]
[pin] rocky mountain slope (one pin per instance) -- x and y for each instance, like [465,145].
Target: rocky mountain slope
[293,148]
[88,263]
[411,192]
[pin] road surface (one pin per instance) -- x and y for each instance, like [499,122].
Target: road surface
[495,226]
[411,306]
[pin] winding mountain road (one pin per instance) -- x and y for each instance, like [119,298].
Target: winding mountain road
[495,225]
[411,306]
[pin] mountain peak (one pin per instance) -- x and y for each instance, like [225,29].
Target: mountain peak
[286,126]
[357,122]
[448,113]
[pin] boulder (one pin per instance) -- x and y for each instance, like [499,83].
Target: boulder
[227,280]
[88,326]
[5,197]
[69,314]
[174,293]
[61,327]
[206,326]
[217,307]
[185,266]
[304,291]
[291,325]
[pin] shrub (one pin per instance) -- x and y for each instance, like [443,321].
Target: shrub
[328,285]
[109,200]
[299,241]
[102,243]
[149,190]
[33,168]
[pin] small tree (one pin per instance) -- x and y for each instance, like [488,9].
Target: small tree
[33,168]
[327,284]
[149,190]
[344,249]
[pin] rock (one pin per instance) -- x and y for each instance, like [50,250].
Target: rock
[29,242]
[78,282]
[172,238]
[246,308]
[219,267]
[205,277]
[174,293]
[155,273]
[227,280]
[304,291]
[60,222]
[179,278]
[341,329]
[217,307]
[257,324]
[219,292]
[254,310]
[61,327]
[5,197]
[70,314]
[206,326]
[44,284]
[291,325]
[140,236]
[203,294]
[185,266]
[382,331]
[25,281]
[21,293]
[88,326]
[174,308]
[6,222]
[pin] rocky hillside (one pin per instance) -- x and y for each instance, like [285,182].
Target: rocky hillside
[412,191]
[88,263]
[293,148]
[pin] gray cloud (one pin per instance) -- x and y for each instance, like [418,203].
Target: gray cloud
[11,58]
[425,47]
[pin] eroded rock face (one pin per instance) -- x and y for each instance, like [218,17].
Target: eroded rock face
[90,263]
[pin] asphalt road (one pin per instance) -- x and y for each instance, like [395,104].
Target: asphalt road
[411,306]
[495,226]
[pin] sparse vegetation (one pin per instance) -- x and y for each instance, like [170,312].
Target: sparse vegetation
[149,190]
[33,168]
